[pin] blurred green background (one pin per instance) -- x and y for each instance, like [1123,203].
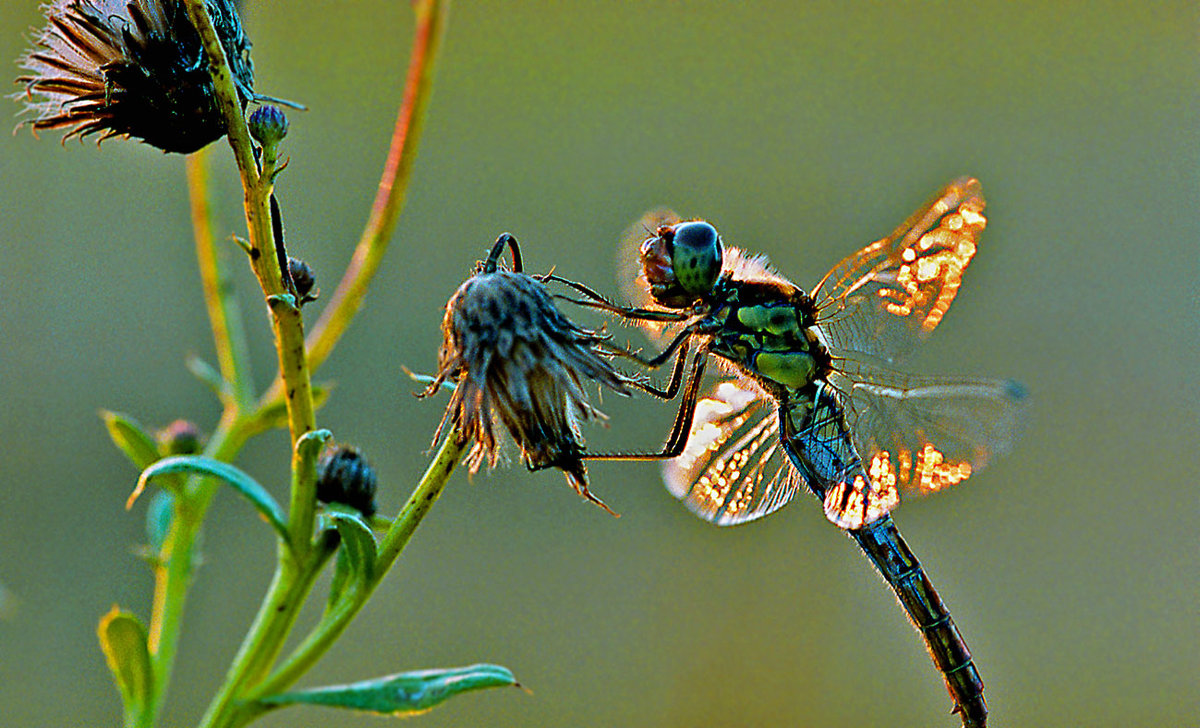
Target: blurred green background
[803,131]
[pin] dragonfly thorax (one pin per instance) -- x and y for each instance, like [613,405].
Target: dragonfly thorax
[769,335]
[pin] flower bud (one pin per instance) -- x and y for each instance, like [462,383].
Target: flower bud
[268,124]
[344,476]
[181,437]
[303,279]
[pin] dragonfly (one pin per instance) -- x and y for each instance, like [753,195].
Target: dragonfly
[810,397]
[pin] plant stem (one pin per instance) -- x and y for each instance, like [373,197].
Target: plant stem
[390,195]
[173,572]
[295,570]
[289,587]
[334,623]
[286,321]
[229,336]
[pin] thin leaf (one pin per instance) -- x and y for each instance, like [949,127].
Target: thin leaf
[206,373]
[235,477]
[158,519]
[132,440]
[403,693]
[123,639]
[356,554]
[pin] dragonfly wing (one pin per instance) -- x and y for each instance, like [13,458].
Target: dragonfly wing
[889,296]
[824,450]
[922,433]
[732,469]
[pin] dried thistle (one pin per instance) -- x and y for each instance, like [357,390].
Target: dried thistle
[134,68]
[518,361]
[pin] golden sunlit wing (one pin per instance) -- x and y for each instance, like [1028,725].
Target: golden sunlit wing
[924,433]
[889,296]
[733,469]
[823,444]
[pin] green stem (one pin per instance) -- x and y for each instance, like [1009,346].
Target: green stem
[294,574]
[256,188]
[286,321]
[229,336]
[335,621]
[173,572]
[276,616]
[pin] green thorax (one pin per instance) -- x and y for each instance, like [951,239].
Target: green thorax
[767,331]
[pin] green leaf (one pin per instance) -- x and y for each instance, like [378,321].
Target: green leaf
[129,436]
[404,693]
[123,639]
[237,478]
[206,373]
[356,554]
[158,519]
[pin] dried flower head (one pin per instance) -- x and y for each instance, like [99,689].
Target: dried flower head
[134,68]
[518,361]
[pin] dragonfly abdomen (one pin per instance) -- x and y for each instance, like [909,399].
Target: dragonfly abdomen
[883,545]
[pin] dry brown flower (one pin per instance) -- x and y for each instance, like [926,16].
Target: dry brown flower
[519,362]
[133,68]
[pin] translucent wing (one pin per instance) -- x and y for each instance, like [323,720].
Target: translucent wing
[824,450]
[922,433]
[887,297]
[733,470]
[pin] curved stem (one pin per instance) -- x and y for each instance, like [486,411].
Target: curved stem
[390,195]
[229,336]
[335,621]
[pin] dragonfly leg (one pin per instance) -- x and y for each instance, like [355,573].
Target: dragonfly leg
[668,393]
[656,361]
[683,419]
[595,300]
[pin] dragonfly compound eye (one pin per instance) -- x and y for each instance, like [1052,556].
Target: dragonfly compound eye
[696,256]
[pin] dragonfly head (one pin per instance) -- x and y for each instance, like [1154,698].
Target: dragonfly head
[682,262]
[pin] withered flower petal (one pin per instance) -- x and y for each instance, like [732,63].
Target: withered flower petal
[132,68]
[520,362]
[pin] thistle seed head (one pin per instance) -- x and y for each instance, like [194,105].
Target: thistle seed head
[517,361]
[132,68]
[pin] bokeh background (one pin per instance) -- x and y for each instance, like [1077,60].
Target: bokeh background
[803,131]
